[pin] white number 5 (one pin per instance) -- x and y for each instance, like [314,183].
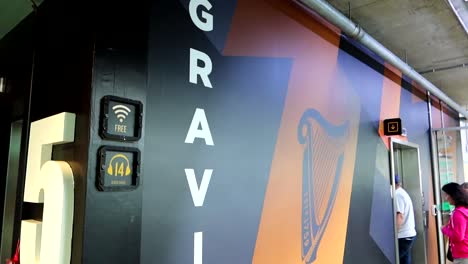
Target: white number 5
[51,183]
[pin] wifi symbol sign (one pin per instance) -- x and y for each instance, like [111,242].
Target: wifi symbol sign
[121,111]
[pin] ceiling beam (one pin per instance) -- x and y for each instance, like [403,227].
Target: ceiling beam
[12,12]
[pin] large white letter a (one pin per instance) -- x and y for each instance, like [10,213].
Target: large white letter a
[199,120]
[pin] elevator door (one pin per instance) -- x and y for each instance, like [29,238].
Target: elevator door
[405,163]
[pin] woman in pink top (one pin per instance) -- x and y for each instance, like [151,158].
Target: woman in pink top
[457,228]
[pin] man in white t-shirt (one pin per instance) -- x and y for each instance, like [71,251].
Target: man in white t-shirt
[405,222]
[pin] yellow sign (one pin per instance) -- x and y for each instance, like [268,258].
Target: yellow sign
[393,126]
[119,165]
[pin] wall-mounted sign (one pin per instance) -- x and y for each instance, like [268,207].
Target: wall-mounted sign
[392,127]
[119,168]
[121,119]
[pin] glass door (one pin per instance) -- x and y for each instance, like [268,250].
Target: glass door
[446,170]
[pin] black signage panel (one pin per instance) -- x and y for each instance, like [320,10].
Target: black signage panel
[121,119]
[119,168]
[392,127]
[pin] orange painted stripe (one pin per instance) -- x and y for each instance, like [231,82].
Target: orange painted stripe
[390,101]
[279,28]
[418,94]
[275,28]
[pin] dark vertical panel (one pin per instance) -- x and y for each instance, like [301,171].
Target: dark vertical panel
[16,49]
[62,83]
[4,149]
[16,53]
[26,120]
[112,228]
[243,109]
[10,190]
[57,80]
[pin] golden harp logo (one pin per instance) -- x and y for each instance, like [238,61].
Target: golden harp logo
[323,145]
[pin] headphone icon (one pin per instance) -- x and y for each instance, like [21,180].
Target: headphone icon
[110,170]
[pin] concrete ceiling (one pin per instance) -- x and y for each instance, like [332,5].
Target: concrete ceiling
[426,33]
[12,12]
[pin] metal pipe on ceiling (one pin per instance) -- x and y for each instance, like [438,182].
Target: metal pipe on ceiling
[458,66]
[327,11]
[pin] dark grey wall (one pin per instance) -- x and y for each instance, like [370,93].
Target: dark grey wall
[112,228]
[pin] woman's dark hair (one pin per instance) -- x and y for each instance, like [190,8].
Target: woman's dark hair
[459,196]
[464,186]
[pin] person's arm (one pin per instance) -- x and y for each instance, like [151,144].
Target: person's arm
[400,205]
[447,229]
[399,220]
[459,223]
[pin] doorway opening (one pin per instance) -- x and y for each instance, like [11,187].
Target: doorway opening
[405,162]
